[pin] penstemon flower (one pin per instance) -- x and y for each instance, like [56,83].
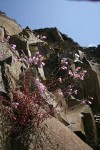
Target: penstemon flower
[15,105]
[13,46]
[40,86]
[14,59]
[30,60]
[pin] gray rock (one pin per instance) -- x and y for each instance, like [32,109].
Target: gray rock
[51,135]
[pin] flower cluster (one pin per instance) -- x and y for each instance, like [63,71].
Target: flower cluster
[88,100]
[26,108]
[25,111]
[69,78]
[37,60]
[40,86]
[79,73]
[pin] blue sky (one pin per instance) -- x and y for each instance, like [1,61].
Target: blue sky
[79,20]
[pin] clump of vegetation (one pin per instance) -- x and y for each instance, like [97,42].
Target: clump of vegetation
[27,110]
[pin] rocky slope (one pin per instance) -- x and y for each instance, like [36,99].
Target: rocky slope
[73,119]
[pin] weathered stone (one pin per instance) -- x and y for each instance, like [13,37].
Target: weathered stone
[56,39]
[51,135]
[2,87]
[10,67]
[1,34]
[26,42]
[79,118]
[91,86]
[10,25]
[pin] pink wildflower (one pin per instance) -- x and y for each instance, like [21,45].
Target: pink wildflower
[13,46]
[8,37]
[15,105]
[84,71]
[64,68]
[14,59]
[40,86]
[35,60]
[37,80]
[89,102]
[78,68]
[30,60]
[70,73]
[22,59]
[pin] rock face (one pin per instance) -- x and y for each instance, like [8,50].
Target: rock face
[53,135]
[10,25]
[71,124]
[1,34]
[57,40]
[10,67]
[82,122]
